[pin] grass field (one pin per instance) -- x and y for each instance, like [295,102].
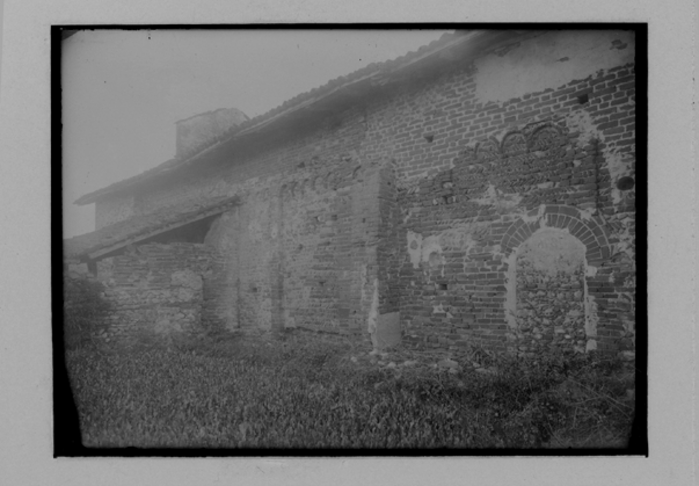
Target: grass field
[303,391]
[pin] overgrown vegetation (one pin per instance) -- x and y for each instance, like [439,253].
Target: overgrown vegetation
[298,392]
[84,310]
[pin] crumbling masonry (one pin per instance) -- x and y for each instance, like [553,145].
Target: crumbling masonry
[478,191]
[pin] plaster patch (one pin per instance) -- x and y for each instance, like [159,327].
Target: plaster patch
[535,218]
[587,213]
[464,237]
[511,290]
[493,197]
[591,317]
[431,245]
[549,61]
[372,319]
[616,163]
[414,248]
[581,122]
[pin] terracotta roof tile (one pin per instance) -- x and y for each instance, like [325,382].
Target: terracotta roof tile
[145,226]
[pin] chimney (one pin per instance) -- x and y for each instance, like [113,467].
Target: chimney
[200,131]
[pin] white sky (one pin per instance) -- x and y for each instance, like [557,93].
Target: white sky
[124,90]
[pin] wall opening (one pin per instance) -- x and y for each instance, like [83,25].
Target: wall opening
[550,292]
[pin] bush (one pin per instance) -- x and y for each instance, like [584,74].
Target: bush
[84,310]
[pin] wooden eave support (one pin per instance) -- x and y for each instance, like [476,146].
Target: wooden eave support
[162,229]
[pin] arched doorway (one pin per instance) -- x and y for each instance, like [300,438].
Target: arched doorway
[550,292]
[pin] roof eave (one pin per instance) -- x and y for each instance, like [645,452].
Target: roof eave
[376,78]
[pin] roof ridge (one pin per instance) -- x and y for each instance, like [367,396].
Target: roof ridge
[369,70]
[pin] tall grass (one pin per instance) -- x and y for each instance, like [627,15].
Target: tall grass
[309,393]
[85,310]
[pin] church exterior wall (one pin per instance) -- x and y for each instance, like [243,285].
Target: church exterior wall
[408,209]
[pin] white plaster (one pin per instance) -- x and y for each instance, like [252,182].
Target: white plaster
[414,248]
[616,163]
[538,217]
[587,213]
[502,202]
[372,319]
[580,121]
[591,317]
[538,63]
[511,290]
[461,236]
[430,245]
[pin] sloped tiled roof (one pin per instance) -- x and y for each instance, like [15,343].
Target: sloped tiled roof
[370,77]
[138,228]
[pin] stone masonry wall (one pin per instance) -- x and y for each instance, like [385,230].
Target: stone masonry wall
[414,207]
[157,289]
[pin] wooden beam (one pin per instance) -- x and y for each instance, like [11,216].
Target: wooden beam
[163,229]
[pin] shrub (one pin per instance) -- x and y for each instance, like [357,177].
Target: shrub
[84,310]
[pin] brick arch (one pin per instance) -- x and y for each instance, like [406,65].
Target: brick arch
[585,228]
[513,143]
[544,136]
[488,149]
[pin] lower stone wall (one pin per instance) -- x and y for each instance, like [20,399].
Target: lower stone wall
[157,291]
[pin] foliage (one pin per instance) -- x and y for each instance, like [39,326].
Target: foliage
[84,310]
[293,393]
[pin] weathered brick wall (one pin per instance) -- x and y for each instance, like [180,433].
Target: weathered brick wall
[426,195]
[300,250]
[470,169]
[157,289]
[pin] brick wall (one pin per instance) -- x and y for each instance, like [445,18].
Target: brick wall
[300,250]
[429,192]
[158,289]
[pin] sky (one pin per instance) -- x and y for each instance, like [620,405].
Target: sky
[123,91]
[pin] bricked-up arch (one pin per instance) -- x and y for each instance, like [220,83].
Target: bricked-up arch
[550,293]
[592,234]
[587,229]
